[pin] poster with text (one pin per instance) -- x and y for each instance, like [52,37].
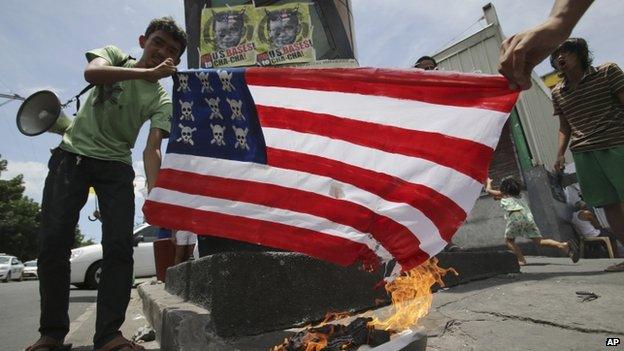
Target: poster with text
[284,34]
[226,38]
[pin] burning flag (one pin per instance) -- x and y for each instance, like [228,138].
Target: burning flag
[344,165]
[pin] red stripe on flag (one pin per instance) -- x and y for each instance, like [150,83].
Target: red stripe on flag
[465,156]
[320,245]
[442,88]
[396,238]
[442,211]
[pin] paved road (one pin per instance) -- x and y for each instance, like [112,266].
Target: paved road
[19,311]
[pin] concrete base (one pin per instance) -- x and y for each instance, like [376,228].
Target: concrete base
[246,301]
[249,293]
[183,326]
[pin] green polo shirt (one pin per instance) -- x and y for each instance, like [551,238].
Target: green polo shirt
[109,121]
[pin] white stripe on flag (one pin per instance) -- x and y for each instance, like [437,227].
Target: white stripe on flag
[269,214]
[454,121]
[420,225]
[460,188]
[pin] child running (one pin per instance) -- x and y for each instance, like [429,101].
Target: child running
[520,220]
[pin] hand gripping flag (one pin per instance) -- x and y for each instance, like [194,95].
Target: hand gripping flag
[345,165]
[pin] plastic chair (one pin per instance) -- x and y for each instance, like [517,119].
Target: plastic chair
[595,239]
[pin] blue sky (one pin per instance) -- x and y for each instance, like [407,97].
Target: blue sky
[43,44]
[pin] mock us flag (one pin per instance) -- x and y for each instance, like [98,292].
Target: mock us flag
[346,165]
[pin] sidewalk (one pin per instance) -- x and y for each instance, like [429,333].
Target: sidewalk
[82,329]
[537,309]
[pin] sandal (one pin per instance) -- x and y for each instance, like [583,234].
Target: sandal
[119,343]
[573,253]
[46,343]
[616,267]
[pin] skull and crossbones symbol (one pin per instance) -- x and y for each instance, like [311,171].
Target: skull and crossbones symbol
[183,78]
[187,110]
[203,78]
[214,107]
[217,134]
[241,138]
[225,79]
[237,111]
[186,134]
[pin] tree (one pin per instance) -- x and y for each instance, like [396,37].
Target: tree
[19,219]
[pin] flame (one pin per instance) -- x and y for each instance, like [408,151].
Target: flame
[411,300]
[411,295]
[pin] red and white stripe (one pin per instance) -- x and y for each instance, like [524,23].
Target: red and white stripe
[356,158]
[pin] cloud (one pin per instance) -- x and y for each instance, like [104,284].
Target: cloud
[34,176]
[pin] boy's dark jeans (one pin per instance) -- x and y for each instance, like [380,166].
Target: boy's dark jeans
[65,193]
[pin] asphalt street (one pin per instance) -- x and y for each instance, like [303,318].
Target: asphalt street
[19,311]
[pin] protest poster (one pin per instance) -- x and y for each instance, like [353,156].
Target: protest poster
[227,37]
[283,34]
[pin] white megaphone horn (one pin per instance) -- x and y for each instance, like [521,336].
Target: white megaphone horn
[42,112]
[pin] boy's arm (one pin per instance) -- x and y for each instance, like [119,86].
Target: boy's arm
[497,195]
[563,140]
[589,217]
[99,71]
[152,157]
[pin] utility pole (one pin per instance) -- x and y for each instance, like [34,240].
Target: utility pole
[10,98]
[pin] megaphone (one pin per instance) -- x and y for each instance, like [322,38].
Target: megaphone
[42,112]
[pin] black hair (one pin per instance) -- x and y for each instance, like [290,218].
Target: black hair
[577,46]
[426,58]
[510,186]
[168,25]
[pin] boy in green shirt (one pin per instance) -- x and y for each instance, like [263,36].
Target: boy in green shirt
[95,151]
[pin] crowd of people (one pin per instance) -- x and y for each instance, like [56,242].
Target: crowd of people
[95,151]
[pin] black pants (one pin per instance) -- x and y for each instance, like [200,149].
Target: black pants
[65,193]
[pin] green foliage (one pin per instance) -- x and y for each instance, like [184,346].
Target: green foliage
[19,220]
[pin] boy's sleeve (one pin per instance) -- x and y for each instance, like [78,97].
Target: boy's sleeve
[110,53]
[160,115]
[615,77]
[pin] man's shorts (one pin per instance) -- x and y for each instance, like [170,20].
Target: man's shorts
[184,237]
[601,175]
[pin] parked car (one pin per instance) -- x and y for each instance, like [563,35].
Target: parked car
[10,268]
[86,261]
[30,269]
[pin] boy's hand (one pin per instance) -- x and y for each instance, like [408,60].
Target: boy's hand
[560,163]
[165,69]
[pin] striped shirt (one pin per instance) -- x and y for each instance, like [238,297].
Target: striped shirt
[593,110]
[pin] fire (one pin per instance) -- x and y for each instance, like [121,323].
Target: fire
[411,300]
[411,295]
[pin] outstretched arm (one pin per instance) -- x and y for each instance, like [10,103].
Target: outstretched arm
[497,195]
[522,52]
[100,71]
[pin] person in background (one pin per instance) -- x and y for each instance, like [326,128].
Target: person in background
[587,225]
[185,244]
[589,102]
[520,221]
[520,53]
[427,63]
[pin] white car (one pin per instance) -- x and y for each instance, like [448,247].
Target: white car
[30,269]
[10,268]
[86,261]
